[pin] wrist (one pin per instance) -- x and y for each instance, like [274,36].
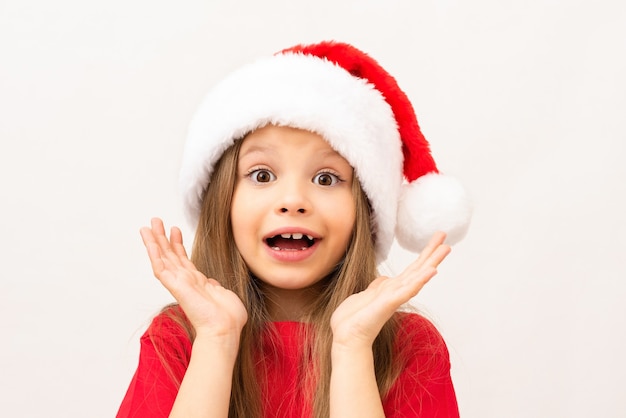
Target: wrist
[352,351]
[222,344]
[352,343]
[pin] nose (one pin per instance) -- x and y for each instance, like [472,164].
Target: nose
[286,210]
[293,200]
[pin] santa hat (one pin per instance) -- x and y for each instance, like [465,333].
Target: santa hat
[345,96]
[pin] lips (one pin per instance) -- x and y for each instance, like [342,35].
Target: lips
[290,241]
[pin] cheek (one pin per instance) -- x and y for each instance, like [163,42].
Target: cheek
[350,224]
[238,217]
[343,215]
[246,217]
[244,239]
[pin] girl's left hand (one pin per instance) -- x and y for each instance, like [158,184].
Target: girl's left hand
[359,319]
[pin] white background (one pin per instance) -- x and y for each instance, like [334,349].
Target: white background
[525,102]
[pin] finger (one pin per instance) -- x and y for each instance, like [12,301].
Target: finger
[426,274]
[158,231]
[153,248]
[410,286]
[161,266]
[435,241]
[156,224]
[147,236]
[414,279]
[156,261]
[176,239]
[440,253]
[166,246]
[176,236]
[423,273]
[155,252]
[176,279]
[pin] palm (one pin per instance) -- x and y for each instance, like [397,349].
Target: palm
[359,319]
[211,309]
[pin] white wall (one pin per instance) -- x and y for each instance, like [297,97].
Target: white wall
[524,101]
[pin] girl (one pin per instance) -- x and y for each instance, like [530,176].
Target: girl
[293,174]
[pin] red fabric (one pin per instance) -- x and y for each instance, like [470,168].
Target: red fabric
[424,389]
[418,160]
[283,394]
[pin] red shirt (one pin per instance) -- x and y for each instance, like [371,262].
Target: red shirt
[424,388]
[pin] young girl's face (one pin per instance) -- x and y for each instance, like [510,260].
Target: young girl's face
[293,210]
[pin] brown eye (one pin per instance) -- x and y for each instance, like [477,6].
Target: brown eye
[262,176]
[325,179]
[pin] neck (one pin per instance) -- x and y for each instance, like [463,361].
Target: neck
[288,304]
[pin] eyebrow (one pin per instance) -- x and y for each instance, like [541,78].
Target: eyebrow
[254,149]
[330,153]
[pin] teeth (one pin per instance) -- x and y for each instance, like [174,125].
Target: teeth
[280,249]
[295,236]
[310,237]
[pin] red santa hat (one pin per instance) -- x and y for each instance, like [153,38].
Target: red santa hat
[345,96]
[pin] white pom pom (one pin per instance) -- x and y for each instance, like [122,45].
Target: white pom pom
[432,203]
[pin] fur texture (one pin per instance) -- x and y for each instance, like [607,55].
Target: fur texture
[417,157]
[307,93]
[434,202]
[346,97]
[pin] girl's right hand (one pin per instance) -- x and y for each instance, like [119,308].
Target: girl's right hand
[214,312]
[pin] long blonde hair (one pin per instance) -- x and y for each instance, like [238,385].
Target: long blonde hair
[215,254]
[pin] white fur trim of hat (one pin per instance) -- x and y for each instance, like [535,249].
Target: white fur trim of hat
[343,95]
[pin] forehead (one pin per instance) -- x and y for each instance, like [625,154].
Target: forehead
[273,139]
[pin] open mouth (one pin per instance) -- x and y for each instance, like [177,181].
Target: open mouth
[290,242]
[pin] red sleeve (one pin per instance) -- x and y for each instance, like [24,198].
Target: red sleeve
[424,388]
[163,359]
